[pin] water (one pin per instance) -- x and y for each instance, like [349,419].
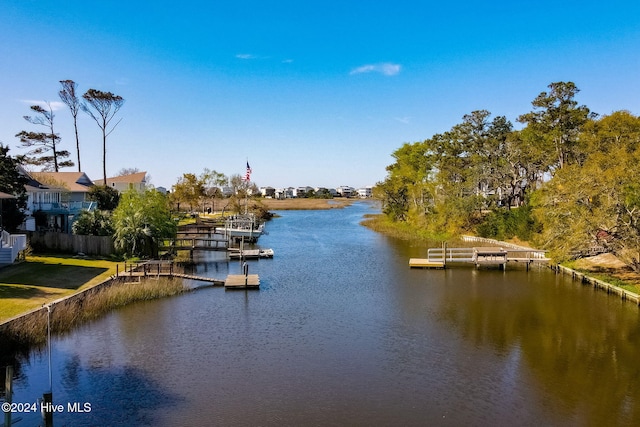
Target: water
[342,332]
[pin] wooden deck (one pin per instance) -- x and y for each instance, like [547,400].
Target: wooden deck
[246,254]
[425,263]
[240,281]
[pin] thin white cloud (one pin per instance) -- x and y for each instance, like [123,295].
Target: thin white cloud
[385,68]
[245,56]
[405,120]
[55,105]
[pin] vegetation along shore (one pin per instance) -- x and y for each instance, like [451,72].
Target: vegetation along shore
[566,182]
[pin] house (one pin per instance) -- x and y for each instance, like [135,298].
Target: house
[123,183]
[268,192]
[365,192]
[56,198]
[284,193]
[227,191]
[345,191]
[302,191]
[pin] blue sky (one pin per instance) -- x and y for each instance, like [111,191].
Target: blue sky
[315,93]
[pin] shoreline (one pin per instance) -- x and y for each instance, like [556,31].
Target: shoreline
[404,232]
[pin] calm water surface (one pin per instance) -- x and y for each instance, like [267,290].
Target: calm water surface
[342,332]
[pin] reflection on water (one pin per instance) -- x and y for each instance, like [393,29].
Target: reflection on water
[344,333]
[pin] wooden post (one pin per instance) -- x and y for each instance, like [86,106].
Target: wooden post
[47,415]
[8,390]
[444,254]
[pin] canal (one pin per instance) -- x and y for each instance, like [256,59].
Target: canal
[342,332]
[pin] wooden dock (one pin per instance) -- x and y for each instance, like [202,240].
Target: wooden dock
[480,256]
[240,281]
[425,263]
[155,269]
[246,253]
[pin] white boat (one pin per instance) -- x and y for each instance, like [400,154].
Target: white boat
[266,253]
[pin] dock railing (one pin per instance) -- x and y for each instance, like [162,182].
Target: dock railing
[450,255]
[470,255]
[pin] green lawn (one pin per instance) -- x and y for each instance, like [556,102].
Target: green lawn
[41,279]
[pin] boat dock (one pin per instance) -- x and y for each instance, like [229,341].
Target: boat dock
[155,269]
[480,256]
[240,281]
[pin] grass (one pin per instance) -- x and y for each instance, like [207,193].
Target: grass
[624,278]
[400,230]
[41,279]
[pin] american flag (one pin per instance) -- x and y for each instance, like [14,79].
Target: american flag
[247,176]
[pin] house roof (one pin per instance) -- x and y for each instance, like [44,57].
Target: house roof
[77,182]
[134,178]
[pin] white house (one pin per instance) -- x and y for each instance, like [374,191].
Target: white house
[365,192]
[345,191]
[284,193]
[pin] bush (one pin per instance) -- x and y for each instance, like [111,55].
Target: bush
[506,224]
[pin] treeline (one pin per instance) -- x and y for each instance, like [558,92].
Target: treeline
[567,180]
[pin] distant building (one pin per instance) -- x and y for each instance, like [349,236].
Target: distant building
[345,191]
[268,192]
[123,183]
[227,191]
[284,193]
[365,192]
[301,191]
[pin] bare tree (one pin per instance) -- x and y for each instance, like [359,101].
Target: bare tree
[105,105]
[69,97]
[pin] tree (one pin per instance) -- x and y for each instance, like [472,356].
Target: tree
[104,107]
[68,96]
[141,221]
[558,119]
[189,190]
[12,182]
[596,202]
[107,197]
[212,181]
[93,223]
[241,186]
[43,143]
